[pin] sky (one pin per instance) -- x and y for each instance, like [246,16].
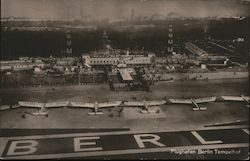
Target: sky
[115,9]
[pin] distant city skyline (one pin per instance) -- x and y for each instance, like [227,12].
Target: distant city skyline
[116,9]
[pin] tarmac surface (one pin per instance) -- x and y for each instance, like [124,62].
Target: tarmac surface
[172,116]
[102,92]
[173,125]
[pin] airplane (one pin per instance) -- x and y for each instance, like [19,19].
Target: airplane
[95,106]
[146,105]
[42,106]
[237,98]
[194,102]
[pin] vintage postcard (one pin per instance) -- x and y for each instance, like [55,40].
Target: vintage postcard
[124,79]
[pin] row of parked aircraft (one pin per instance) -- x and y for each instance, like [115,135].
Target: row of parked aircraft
[145,105]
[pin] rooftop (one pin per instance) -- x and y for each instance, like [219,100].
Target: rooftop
[125,75]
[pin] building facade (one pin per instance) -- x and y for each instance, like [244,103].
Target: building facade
[118,59]
[17,65]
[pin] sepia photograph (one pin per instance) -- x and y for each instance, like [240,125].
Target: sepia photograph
[124,79]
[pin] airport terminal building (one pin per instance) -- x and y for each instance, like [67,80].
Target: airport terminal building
[130,59]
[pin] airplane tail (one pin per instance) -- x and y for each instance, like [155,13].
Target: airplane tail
[199,108]
[203,108]
[39,113]
[95,113]
[148,111]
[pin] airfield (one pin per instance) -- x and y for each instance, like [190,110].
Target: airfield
[171,117]
[182,132]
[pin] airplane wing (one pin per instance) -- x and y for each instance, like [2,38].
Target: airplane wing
[56,104]
[154,103]
[181,101]
[134,103]
[31,104]
[82,104]
[109,104]
[205,99]
[4,107]
[7,107]
[141,103]
[234,98]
